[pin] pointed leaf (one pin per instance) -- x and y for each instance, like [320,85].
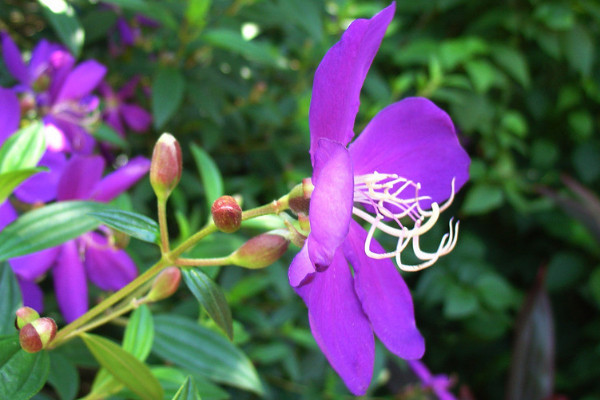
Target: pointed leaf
[124,367]
[203,351]
[107,134]
[63,376]
[211,176]
[187,391]
[22,374]
[24,149]
[10,299]
[65,23]
[136,225]
[10,180]
[47,227]
[167,94]
[139,333]
[171,379]
[211,297]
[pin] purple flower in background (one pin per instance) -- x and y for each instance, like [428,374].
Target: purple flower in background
[440,384]
[60,91]
[120,112]
[10,114]
[406,161]
[91,256]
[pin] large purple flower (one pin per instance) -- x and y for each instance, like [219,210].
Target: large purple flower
[93,255]
[405,162]
[60,91]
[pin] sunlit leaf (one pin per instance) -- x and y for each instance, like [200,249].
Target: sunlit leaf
[63,19]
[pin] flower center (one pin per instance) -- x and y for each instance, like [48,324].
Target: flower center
[393,199]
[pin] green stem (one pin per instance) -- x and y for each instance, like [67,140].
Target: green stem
[162,223]
[202,262]
[109,302]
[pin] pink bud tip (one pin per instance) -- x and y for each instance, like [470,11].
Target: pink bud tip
[165,284]
[37,335]
[25,315]
[227,214]
[166,166]
[260,251]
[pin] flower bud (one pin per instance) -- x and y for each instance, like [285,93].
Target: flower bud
[165,284]
[25,315]
[260,251]
[227,214]
[37,335]
[166,166]
[299,197]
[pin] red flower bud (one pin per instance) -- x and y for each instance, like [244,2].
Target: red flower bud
[165,284]
[260,251]
[227,214]
[166,166]
[37,335]
[25,315]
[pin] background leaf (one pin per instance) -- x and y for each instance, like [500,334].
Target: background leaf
[65,22]
[22,374]
[187,391]
[210,174]
[10,299]
[139,333]
[167,94]
[211,297]
[124,367]
[203,351]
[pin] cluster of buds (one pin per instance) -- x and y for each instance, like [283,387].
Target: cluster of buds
[35,333]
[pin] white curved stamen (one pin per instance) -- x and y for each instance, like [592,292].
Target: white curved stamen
[376,191]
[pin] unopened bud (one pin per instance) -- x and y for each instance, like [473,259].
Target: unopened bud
[260,251]
[227,214]
[37,335]
[25,315]
[299,197]
[165,284]
[166,166]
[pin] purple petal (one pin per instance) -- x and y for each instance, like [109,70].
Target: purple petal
[113,119]
[79,140]
[70,283]
[128,89]
[339,79]
[384,296]
[136,117]
[125,31]
[12,59]
[81,81]
[416,140]
[7,214]
[42,186]
[301,269]
[80,177]
[330,203]
[10,113]
[41,56]
[339,325]
[32,295]
[107,267]
[122,179]
[34,265]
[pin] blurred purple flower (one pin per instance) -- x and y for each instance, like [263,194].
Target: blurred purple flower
[10,114]
[120,113]
[91,256]
[405,161]
[440,384]
[61,92]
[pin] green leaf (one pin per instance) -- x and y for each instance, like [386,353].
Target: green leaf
[139,333]
[211,176]
[24,149]
[495,292]
[153,9]
[172,378]
[22,374]
[233,41]
[131,223]
[167,93]
[460,302]
[124,367]
[579,48]
[10,180]
[483,198]
[513,62]
[63,376]
[195,14]
[211,297]
[187,391]
[107,134]
[199,349]
[10,299]
[65,23]
[47,227]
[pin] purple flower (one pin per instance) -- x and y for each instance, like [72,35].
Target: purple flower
[440,384]
[119,112]
[10,114]
[60,91]
[91,256]
[406,161]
